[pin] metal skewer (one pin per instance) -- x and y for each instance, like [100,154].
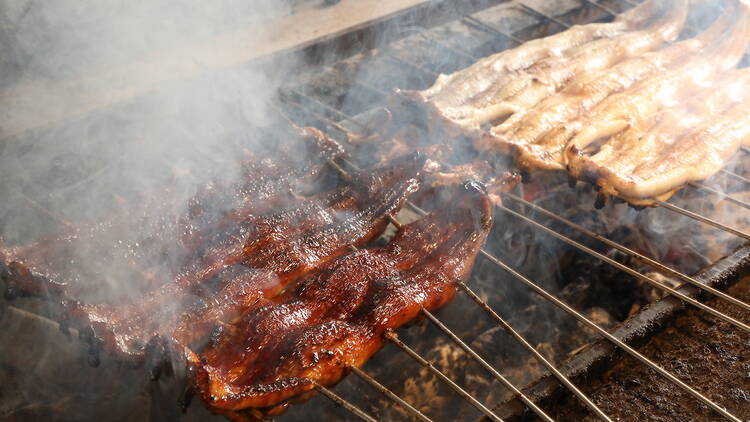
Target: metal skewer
[489,367]
[521,340]
[492,29]
[634,273]
[388,393]
[641,257]
[702,219]
[721,194]
[345,404]
[393,338]
[619,343]
[736,176]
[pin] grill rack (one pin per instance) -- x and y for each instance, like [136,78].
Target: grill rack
[345,124]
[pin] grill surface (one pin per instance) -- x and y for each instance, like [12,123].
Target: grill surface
[449,367]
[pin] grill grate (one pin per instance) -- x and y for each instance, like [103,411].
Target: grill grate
[352,128]
[300,100]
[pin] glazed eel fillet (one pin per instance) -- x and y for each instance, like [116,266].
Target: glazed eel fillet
[687,143]
[134,240]
[536,138]
[267,182]
[337,317]
[515,79]
[263,253]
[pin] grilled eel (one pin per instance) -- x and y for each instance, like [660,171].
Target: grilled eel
[642,101]
[267,250]
[337,317]
[508,81]
[686,143]
[536,138]
[268,181]
[136,239]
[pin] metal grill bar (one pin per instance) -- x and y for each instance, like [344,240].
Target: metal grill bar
[545,16]
[736,176]
[489,367]
[632,352]
[492,29]
[345,404]
[388,393]
[410,63]
[601,7]
[434,40]
[721,194]
[702,219]
[538,356]
[625,249]
[521,340]
[424,362]
[634,273]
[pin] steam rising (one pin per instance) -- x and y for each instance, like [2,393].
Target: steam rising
[188,128]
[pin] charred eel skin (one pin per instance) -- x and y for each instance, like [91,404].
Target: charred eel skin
[338,316]
[257,257]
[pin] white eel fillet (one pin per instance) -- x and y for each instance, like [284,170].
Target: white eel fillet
[513,80]
[538,136]
[679,145]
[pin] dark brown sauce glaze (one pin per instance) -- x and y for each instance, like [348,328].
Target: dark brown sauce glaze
[255,257]
[338,315]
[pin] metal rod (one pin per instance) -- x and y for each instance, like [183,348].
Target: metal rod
[739,324]
[603,8]
[518,337]
[460,52]
[412,64]
[545,16]
[388,393]
[371,88]
[721,194]
[612,13]
[487,366]
[52,324]
[345,404]
[492,29]
[393,338]
[702,219]
[538,356]
[625,249]
[736,176]
[328,107]
[632,352]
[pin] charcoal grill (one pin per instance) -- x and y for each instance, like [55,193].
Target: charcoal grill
[420,53]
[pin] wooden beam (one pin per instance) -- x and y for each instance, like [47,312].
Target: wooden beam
[44,103]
